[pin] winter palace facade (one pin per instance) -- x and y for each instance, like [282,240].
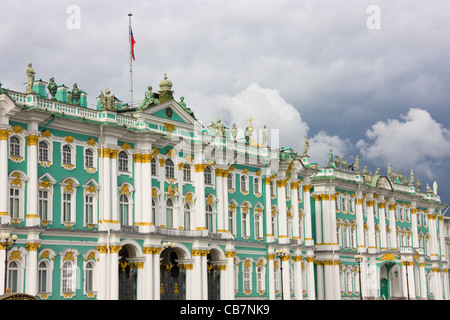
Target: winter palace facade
[116,202]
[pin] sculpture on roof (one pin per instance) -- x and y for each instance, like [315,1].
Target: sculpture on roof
[389,172]
[30,78]
[264,137]
[76,93]
[148,101]
[306,147]
[52,88]
[344,164]
[418,185]
[357,164]
[337,161]
[411,178]
[185,107]
[330,159]
[234,131]
[218,128]
[107,102]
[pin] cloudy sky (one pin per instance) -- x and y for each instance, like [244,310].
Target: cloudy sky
[359,77]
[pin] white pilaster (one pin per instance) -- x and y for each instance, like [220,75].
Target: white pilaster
[4,191]
[32,217]
[282,212]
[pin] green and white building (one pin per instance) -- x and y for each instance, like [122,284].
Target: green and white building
[125,203]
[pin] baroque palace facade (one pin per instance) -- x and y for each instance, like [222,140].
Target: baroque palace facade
[116,202]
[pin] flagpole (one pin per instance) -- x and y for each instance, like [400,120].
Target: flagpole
[131,62]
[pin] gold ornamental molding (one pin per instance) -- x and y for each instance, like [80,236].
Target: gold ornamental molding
[32,140]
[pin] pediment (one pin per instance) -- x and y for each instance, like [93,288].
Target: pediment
[169,111]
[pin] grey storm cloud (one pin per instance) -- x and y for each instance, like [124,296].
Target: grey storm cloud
[311,68]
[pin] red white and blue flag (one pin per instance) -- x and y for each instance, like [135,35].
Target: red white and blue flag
[131,39]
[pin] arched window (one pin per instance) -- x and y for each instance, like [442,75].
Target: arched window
[89,208]
[124,207]
[123,161]
[89,277]
[244,183]
[230,182]
[68,277]
[170,172]
[89,158]
[258,225]
[14,146]
[245,222]
[208,178]
[169,213]
[43,277]
[67,154]
[14,202]
[257,185]
[43,151]
[187,216]
[272,189]
[209,218]
[13,276]
[247,277]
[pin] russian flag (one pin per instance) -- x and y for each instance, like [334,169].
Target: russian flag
[131,39]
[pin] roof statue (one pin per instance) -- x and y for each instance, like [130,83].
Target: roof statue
[107,102]
[306,147]
[234,131]
[337,162]
[389,172]
[30,78]
[165,90]
[264,136]
[344,164]
[357,164]
[76,93]
[148,101]
[411,178]
[186,108]
[418,185]
[218,128]
[330,159]
[52,88]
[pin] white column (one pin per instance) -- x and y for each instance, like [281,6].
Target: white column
[393,229]
[225,203]
[229,255]
[197,275]
[114,200]
[271,270]
[102,293]
[382,214]
[156,273]
[146,197]
[310,278]
[282,212]
[320,280]
[204,274]
[360,224]
[298,289]
[138,189]
[318,207]
[371,226]
[309,241]
[422,279]
[32,217]
[32,268]
[268,212]
[285,275]
[114,272]
[294,202]
[220,207]
[4,190]
[139,267]
[199,183]
[148,273]
[106,186]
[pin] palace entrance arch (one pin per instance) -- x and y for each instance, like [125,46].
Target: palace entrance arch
[390,281]
[127,273]
[173,275]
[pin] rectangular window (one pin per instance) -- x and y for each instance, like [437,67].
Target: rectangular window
[187,172]
[89,209]
[67,207]
[42,280]
[43,205]
[14,202]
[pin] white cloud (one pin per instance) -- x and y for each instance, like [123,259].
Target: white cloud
[321,144]
[284,123]
[414,141]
